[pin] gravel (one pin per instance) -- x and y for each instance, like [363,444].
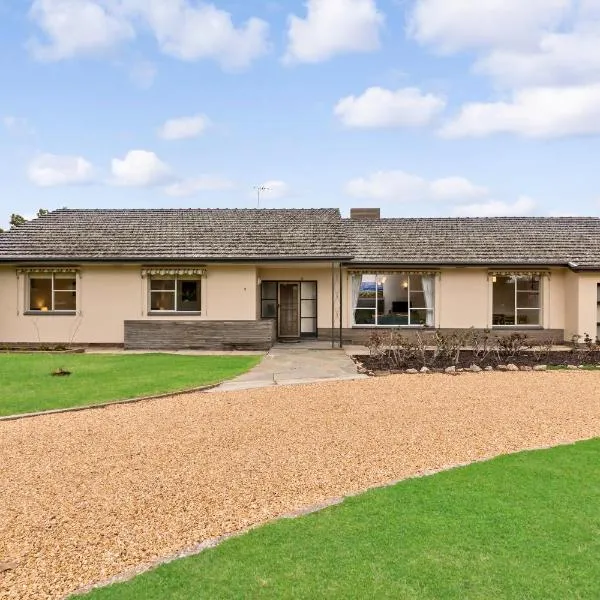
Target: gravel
[88,495]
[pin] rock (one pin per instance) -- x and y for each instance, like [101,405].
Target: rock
[502,368]
[489,369]
[581,367]
[411,372]
[512,367]
[526,368]
[7,566]
[475,369]
[450,370]
[540,368]
[460,370]
[571,367]
[425,370]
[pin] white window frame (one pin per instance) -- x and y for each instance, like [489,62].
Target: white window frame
[539,309]
[378,276]
[51,310]
[176,279]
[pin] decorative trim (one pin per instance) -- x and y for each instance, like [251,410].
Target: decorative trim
[393,272]
[517,273]
[49,270]
[181,271]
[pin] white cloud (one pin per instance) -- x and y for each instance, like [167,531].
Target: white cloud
[333,27]
[77,27]
[543,112]
[378,107]
[186,29]
[140,168]
[493,208]
[184,127]
[399,186]
[564,58]
[196,30]
[452,26]
[204,183]
[49,170]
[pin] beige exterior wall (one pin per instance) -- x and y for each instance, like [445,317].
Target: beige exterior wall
[110,295]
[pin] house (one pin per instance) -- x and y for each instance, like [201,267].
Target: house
[195,278]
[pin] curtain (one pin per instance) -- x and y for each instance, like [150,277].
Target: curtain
[356,281]
[429,293]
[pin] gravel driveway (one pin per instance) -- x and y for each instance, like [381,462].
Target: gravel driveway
[87,495]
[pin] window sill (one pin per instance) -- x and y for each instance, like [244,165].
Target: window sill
[426,327]
[173,313]
[53,313]
[516,327]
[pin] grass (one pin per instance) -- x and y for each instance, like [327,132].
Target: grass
[524,527]
[27,384]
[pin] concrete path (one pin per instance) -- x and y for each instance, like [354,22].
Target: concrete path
[286,365]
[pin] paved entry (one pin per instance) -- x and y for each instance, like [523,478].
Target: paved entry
[285,365]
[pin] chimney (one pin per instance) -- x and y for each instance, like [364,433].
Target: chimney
[371,214]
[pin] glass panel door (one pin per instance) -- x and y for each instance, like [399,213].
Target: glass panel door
[308,310]
[289,310]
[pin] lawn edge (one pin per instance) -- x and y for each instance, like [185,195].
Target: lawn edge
[196,549]
[58,411]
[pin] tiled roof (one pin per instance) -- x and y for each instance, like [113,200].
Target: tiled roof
[486,241]
[192,234]
[245,234]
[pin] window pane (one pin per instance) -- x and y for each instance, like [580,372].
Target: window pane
[526,284]
[162,284]
[308,325]
[162,301]
[65,300]
[528,317]
[65,282]
[367,293]
[416,283]
[269,309]
[309,290]
[528,300]
[269,290]
[188,294]
[417,300]
[364,317]
[308,308]
[504,301]
[40,293]
[421,317]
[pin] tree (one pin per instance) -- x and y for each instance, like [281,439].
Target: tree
[42,212]
[16,220]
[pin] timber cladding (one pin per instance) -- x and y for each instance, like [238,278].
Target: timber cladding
[200,335]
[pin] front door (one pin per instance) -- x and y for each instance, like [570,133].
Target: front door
[289,310]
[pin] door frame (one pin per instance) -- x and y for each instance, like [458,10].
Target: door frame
[299,282]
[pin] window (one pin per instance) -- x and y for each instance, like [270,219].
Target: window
[174,295]
[516,300]
[268,300]
[393,299]
[53,292]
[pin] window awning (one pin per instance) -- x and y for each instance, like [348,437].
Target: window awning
[72,270]
[393,272]
[517,273]
[173,271]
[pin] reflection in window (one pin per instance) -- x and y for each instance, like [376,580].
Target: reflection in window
[516,300]
[393,299]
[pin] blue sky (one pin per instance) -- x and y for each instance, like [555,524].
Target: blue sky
[421,107]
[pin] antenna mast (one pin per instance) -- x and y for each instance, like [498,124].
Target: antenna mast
[259,190]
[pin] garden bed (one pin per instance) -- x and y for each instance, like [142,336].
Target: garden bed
[387,361]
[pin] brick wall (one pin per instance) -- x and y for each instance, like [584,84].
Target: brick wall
[199,335]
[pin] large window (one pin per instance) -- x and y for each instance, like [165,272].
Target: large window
[516,300]
[53,292]
[393,299]
[174,294]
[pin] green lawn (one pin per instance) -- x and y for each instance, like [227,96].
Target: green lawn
[27,384]
[520,527]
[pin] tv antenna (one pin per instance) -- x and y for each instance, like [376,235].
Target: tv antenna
[259,190]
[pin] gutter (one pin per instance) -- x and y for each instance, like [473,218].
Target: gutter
[168,261]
